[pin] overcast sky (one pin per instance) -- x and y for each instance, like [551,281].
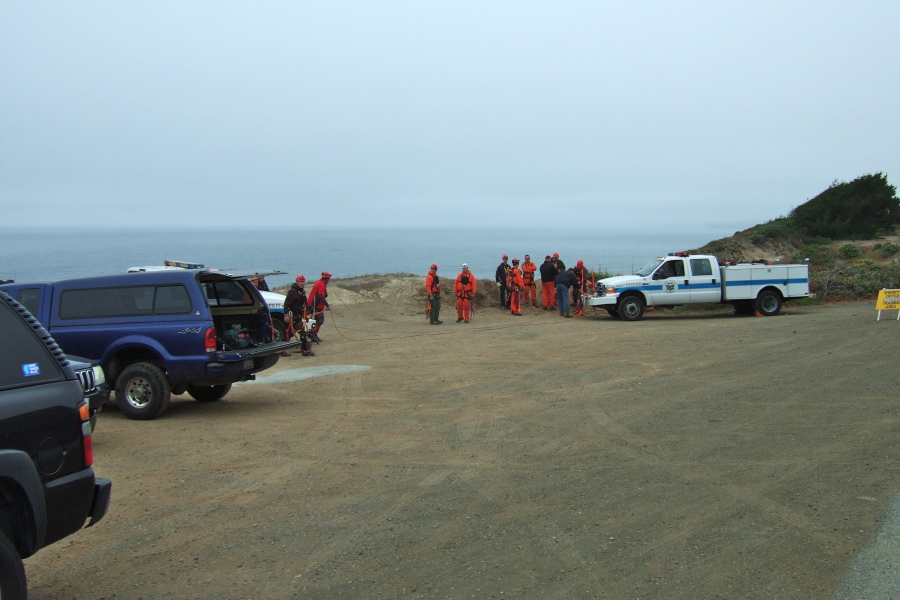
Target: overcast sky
[466,113]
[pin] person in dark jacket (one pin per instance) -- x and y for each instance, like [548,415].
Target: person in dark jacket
[558,263]
[295,306]
[501,277]
[564,281]
[548,283]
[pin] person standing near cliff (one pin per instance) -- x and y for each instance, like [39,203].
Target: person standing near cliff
[501,277]
[514,285]
[564,281]
[465,288]
[548,283]
[529,288]
[295,311]
[433,290]
[558,263]
[318,303]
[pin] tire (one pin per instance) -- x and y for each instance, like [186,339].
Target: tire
[208,393]
[143,391]
[613,312]
[280,330]
[768,303]
[13,585]
[631,308]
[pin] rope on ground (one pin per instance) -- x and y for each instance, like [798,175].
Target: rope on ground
[433,333]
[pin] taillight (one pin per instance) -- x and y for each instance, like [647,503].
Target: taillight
[209,339]
[84,413]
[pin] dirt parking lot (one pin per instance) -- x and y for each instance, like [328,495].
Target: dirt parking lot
[688,455]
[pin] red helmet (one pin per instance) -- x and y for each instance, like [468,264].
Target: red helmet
[326,275]
[301,279]
[580,263]
[434,267]
[515,261]
[505,257]
[556,255]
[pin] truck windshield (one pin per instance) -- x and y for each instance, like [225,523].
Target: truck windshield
[649,267]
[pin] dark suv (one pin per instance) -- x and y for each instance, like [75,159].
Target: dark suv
[160,333]
[47,486]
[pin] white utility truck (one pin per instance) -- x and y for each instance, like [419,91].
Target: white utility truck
[684,278]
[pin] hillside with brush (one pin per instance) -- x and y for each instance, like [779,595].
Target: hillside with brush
[849,233]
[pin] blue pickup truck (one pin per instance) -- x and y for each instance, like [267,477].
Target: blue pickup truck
[160,333]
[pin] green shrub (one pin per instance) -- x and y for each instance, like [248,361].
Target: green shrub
[887,250]
[819,241]
[782,227]
[861,208]
[849,251]
[818,254]
[856,281]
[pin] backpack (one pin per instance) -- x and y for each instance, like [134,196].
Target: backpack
[237,339]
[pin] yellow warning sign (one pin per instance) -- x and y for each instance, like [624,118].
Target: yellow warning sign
[888,300]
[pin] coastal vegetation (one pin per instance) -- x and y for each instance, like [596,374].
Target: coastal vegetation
[848,234]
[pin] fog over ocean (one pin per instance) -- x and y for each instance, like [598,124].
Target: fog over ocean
[62,254]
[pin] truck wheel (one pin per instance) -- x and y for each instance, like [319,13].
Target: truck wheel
[631,308]
[208,393]
[12,572]
[768,303]
[143,391]
[280,329]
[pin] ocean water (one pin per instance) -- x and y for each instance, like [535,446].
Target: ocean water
[49,255]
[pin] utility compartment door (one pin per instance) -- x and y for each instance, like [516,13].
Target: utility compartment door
[797,281]
[738,283]
[703,282]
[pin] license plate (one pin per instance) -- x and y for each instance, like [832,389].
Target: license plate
[248,364]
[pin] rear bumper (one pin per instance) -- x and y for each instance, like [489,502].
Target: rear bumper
[98,397]
[242,365]
[102,496]
[72,500]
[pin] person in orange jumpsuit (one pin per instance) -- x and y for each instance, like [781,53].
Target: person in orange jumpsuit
[529,289]
[465,288]
[548,285]
[433,289]
[580,288]
[514,285]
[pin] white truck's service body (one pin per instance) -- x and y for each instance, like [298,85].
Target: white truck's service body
[685,278]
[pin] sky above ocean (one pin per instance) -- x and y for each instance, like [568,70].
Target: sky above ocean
[400,113]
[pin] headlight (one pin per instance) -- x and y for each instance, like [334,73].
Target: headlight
[99,377]
[610,289]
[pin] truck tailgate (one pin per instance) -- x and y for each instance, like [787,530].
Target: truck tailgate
[256,351]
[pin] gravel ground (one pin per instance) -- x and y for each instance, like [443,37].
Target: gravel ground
[689,455]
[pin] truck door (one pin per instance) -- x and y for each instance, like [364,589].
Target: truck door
[703,282]
[673,282]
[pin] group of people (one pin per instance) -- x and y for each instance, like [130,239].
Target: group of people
[557,283]
[517,286]
[299,308]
